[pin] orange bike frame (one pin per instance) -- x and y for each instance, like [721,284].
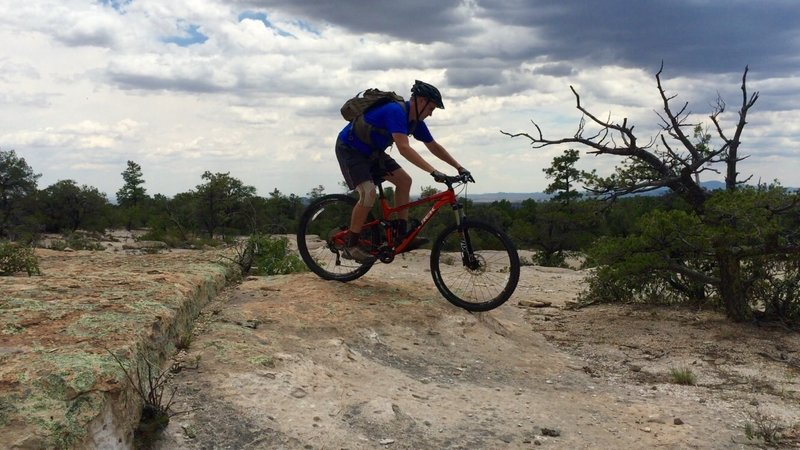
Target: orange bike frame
[439,200]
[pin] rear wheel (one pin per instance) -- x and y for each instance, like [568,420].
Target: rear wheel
[475,266]
[321,237]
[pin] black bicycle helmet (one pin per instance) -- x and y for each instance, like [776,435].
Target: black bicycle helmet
[428,91]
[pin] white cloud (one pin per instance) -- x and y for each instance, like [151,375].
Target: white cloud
[84,88]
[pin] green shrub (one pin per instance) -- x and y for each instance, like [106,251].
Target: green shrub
[777,293]
[84,241]
[173,239]
[150,384]
[544,259]
[271,256]
[202,242]
[17,258]
[764,428]
[58,245]
[176,239]
[683,376]
[77,241]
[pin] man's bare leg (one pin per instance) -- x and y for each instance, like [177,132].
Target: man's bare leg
[402,192]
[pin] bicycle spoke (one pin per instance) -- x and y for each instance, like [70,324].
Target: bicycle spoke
[320,239]
[483,285]
[485,281]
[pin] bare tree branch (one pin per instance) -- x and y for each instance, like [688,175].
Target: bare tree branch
[673,168]
[731,146]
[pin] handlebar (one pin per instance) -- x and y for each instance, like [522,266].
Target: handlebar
[449,181]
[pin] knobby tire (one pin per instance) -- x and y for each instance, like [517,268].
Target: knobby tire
[488,280]
[322,218]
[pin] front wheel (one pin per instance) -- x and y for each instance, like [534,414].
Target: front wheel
[475,266]
[321,236]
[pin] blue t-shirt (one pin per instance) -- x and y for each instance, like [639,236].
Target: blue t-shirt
[389,117]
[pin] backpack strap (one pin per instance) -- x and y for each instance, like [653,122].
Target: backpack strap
[363,130]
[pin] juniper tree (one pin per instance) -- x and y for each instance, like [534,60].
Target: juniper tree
[131,197]
[566,177]
[17,185]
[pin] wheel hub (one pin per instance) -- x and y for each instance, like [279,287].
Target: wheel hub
[476,264]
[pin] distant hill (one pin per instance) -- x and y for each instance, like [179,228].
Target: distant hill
[516,197]
[513,197]
[708,185]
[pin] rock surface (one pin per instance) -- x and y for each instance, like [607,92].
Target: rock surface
[386,362]
[296,362]
[60,387]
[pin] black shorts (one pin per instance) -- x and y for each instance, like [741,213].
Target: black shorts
[357,167]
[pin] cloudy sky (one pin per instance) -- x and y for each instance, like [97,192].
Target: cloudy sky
[253,87]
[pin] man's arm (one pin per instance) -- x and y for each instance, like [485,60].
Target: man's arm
[442,154]
[408,152]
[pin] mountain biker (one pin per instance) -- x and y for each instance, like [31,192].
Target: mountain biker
[363,164]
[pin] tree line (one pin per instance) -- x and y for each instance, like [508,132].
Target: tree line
[222,205]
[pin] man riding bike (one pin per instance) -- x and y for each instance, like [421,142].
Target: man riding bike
[363,160]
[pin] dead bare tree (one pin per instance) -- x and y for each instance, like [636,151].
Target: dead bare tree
[649,166]
[672,160]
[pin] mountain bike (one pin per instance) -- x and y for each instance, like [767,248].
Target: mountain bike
[473,263]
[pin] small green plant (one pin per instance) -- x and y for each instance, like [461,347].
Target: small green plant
[16,258]
[173,239]
[762,427]
[184,340]
[272,257]
[683,376]
[544,259]
[84,241]
[58,245]
[261,360]
[13,328]
[150,385]
[189,431]
[77,241]
[267,255]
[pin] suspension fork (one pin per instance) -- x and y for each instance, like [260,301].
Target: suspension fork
[467,254]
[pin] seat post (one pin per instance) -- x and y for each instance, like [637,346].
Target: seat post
[381,195]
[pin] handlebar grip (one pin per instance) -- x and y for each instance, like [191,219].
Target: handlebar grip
[448,180]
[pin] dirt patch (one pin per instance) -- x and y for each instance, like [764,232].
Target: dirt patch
[384,362]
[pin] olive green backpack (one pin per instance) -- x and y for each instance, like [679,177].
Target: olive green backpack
[353,111]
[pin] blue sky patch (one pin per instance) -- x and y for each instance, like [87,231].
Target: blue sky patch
[118,5]
[262,17]
[306,26]
[190,36]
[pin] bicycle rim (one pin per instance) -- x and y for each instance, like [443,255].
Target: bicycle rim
[319,242]
[490,275]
